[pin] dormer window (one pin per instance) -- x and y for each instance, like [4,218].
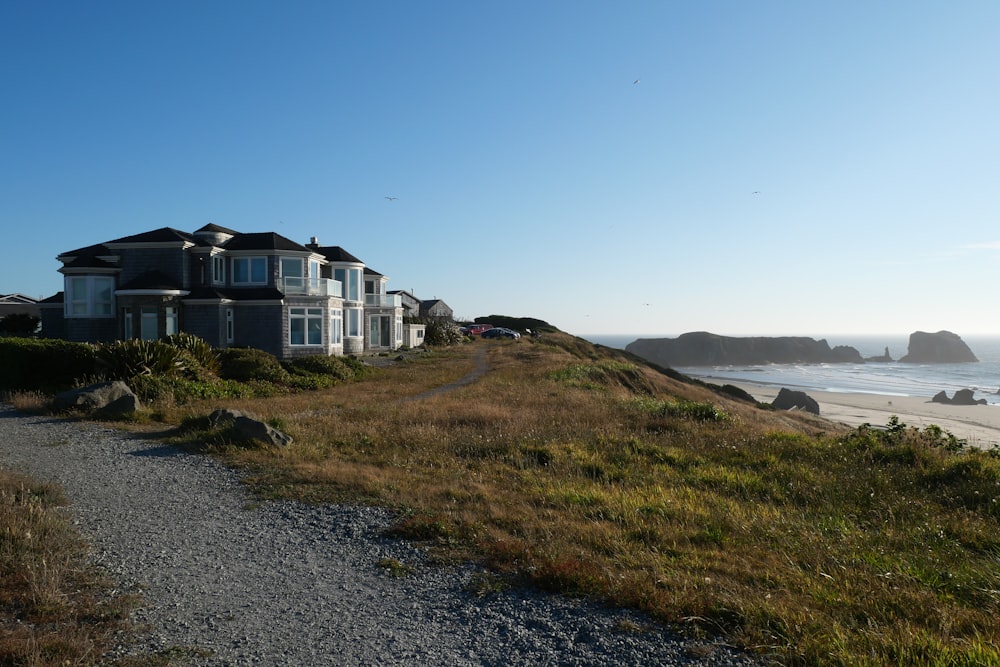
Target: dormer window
[249,270]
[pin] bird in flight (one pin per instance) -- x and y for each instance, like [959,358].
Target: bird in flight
[636,81]
[391,198]
[755,192]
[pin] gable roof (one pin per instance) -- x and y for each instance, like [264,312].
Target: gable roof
[19,299]
[263,241]
[335,253]
[216,229]
[162,235]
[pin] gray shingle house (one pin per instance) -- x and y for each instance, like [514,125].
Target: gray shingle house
[232,289]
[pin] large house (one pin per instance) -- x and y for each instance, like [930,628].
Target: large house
[232,289]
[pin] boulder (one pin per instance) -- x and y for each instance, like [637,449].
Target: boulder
[249,427]
[795,400]
[961,397]
[106,399]
[942,347]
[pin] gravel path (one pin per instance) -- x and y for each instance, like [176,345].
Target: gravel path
[279,583]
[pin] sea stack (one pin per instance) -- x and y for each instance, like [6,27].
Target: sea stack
[942,347]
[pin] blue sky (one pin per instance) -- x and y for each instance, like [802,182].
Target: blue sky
[781,167]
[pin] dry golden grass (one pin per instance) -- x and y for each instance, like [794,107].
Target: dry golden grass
[583,472]
[54,608]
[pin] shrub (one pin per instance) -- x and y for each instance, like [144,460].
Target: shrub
[44,364]
[245,364]
[199,349]
[321,364]
[19,324]
[125,359]
[442,332]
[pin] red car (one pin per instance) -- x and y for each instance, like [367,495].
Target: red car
[475,329]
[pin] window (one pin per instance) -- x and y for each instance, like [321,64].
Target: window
[128,323]
[219,270]
[230,330]
[336,326]
[353,322]
[250,270]
[170,318]
[89,296]
[314,274]
[148,323]
[351,279]
[305,326]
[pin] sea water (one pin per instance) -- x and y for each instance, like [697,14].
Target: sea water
[890,378]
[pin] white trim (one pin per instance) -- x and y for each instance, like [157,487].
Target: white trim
[152,292]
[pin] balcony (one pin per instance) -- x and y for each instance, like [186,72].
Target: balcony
[312,287]
[383,300]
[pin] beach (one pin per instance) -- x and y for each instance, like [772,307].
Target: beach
[979,425]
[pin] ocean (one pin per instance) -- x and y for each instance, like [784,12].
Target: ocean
[893,379]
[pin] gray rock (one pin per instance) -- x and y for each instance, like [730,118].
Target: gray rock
[109,398]
[249,427]
[707,349]
[961,397]
[795,400]
[942,347]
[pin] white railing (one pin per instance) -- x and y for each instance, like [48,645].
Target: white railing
[383,300]
[312,287]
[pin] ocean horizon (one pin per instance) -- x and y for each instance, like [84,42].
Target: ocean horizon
[887,378]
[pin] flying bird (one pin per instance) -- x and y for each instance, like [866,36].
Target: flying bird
[755,192]
[636,81]
[391,198]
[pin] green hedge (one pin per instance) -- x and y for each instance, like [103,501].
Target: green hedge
[43,364]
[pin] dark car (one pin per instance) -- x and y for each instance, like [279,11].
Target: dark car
[500,332]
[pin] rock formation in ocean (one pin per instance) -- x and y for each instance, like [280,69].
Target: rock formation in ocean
[885,356]
[942,347]
[701,348]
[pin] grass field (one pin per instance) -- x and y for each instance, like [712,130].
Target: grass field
[580,470]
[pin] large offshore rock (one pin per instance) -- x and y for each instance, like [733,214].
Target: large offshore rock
[942,347]
[701,348]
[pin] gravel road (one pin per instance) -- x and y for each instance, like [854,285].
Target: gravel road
[236,582]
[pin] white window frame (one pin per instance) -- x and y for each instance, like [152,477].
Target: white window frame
[170,319]
[250,264]
[336,326]
[230,326]
[149,319]
[352,328]
[83,296]
[307,323]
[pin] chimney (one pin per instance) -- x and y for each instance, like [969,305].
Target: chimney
[314,240]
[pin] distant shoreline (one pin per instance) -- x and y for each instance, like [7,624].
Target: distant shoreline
[979,425]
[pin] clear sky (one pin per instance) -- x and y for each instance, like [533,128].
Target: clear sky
[766,167]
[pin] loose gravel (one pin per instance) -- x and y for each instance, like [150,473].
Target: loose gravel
[225,580]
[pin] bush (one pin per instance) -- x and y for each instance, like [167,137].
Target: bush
[19,324]
[442,332]
[199,349]
[125,359]
[44,364]
[246,364]
[320,364]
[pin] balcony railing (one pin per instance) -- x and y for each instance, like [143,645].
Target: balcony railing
[312,286]
[383,300]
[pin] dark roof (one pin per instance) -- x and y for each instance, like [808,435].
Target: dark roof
[216,229]
[162,235]
[373,272]
[153,280]
[55,298]
[263,241]
[88,258]
[335,253]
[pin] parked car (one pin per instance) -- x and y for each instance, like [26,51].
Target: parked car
[500,332]
[475,329]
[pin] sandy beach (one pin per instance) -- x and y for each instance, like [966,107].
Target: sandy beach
[979,425]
